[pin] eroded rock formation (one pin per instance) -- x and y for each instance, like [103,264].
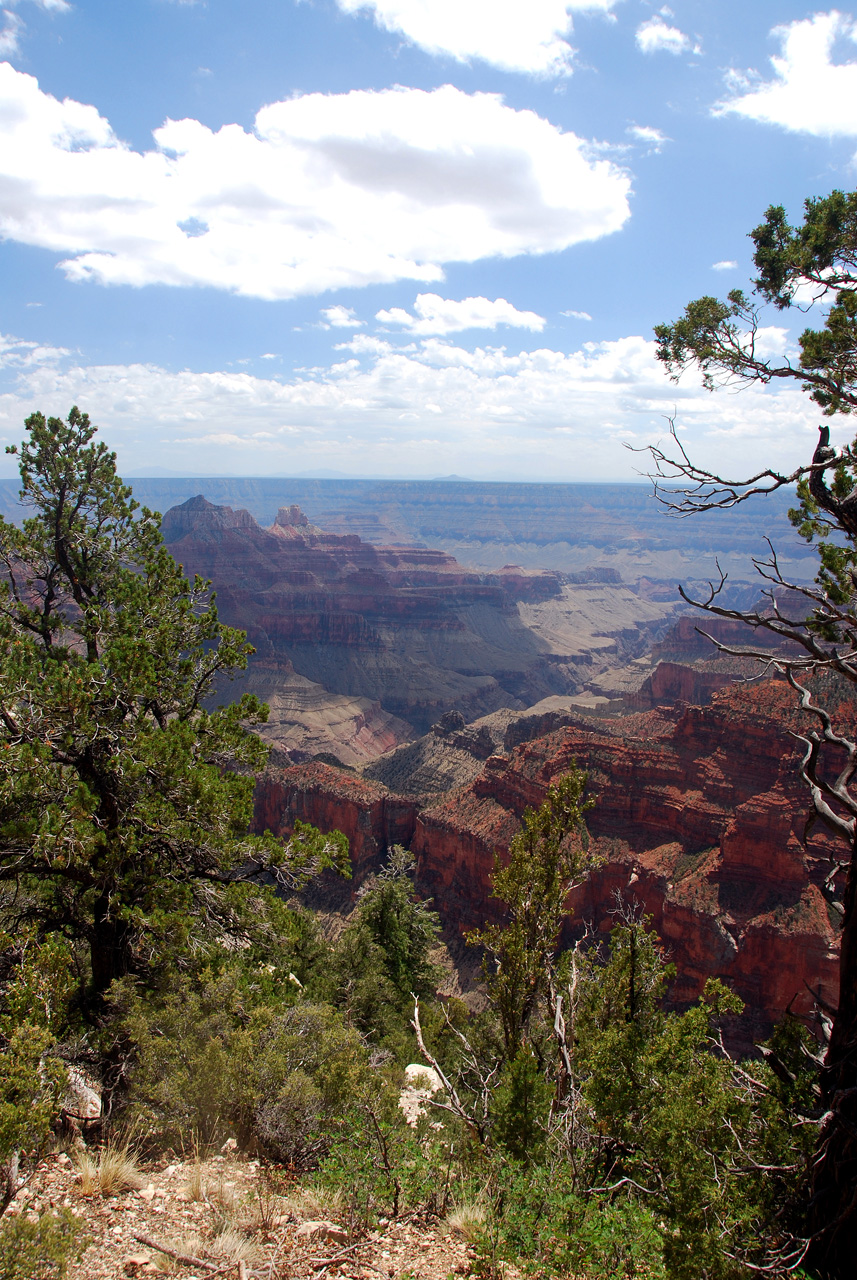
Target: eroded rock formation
[406,631]
[700,817]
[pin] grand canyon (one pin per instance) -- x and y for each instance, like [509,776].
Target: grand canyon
[420,701]
[423,699]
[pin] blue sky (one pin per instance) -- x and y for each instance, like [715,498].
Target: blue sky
[400,237]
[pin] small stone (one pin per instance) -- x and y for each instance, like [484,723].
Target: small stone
[322,1230]
[148,1193]
[135,1262]
[229,1145]
[62,1158]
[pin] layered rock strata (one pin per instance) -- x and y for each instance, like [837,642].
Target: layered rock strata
[699,820]
[405,628]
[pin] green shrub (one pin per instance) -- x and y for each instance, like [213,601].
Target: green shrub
[41,1249]
[182,1077]
[382,1165]
[520,1106]
[305,1071]
[544,1225]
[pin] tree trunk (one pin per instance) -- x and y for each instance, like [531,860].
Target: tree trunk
[833,1183]
[110,949]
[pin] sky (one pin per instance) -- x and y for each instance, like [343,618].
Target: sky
[404,238]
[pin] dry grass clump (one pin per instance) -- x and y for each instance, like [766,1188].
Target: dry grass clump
[232,1244]
[468,1220]
[229,1245]
[195,1186]
[116,1170]
[188,1246]
[309,1202]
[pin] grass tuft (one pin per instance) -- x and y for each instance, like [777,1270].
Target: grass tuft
[468,1220]
[116,1170]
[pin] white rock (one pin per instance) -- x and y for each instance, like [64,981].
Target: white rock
[318,1229]
[423,1077]
[421,1083]
[82,1101]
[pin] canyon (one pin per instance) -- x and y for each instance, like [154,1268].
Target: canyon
[699,823]
[420,702]
[425,695]
[360,648]
[567,527]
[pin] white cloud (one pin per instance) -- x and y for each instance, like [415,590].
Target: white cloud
[340,317]
[809,93]
[17,353]
[442,315]
[515,35]
[655,36]
[9,33]
[382,409]
[13,27]
[576,315]
[326,191]
[728,264]
[645,133]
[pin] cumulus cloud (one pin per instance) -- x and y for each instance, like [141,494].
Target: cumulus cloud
[524,37]
[436,315]
[326,191]
[13,27]
[656,36]
[18,352]
[728,264]
[809,92]
[380,408]
[340,317]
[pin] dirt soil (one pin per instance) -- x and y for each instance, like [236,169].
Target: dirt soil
[235,1222]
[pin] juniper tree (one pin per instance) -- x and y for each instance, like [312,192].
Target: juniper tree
[814,261]
[125,795]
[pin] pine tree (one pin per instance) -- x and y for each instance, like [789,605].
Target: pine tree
[125,794]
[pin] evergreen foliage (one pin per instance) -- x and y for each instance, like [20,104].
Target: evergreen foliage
[547,857]
[815,261]
[124,796]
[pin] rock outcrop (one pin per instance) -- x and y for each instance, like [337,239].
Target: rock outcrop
[699,819]
[673,682]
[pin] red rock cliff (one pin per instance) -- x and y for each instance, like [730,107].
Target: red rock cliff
[699,818]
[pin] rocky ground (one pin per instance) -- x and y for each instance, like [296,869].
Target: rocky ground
[229,1217]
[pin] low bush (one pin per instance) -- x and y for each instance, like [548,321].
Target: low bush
[40,1248]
